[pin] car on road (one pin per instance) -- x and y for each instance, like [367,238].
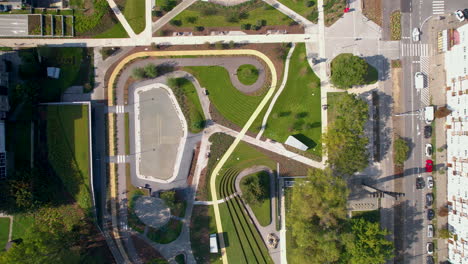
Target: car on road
[465,12]
[460,16]
[419,183]
[430,214]
[419,80]
[429,165]
[3,8]
[429,260]
[416,34]
[430,182]
[427,131]
[429,199]
[428,150]
[430,248]
[430,231]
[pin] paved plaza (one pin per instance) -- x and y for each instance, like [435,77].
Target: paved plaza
[160,133]
[152,211]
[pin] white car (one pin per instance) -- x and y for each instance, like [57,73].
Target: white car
[428,150]
[430,182]
[416,34]
[459,15]
[430,231]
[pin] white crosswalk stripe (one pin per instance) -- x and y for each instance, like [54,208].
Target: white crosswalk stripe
[120,158]
[425,65]
[438,7]
[415,50]
[425,95]
[119,109]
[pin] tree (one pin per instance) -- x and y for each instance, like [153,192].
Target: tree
[348,70]
[442,112]
[367,243]
[345,140]
[401,151]
[191,19]
[444,233]
[219,45]
[255,191]
[169,198]
[138,73]
[231,44]
[151,71]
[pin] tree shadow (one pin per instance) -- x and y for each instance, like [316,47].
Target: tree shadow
[381,64]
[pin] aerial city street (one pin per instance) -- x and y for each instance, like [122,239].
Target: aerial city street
[234,131]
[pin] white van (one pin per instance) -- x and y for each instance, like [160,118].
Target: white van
[419,80]
[428,114]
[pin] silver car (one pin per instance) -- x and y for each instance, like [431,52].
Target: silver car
[430,231]
[416,34]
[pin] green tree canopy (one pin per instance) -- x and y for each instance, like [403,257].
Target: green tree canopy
[367,244]
[348,70]
[151,71]
[254,189]
[401,151]
[345,140]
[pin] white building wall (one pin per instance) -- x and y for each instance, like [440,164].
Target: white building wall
[456,64]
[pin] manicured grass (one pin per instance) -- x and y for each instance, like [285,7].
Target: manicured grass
[261,210]
[332,100]
[298,111]
[371,216]
[117,31]
[188,100]
[306,8]
[68,149]
[167,233]
[4,231]
[230,102]
[134,13]
[21,224]
[247,74]
[127,134]
[255,11]
[202,224]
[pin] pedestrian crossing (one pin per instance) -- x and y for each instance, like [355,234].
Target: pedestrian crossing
[424,68]
[415,50]
[121,158]
[119,109]
[438,7]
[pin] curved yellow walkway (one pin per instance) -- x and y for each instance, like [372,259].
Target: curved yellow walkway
[214,195]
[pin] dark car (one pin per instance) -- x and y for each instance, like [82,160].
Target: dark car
[419,183]
[429,165]
[429,199]
[429,260]
[465,12]
[3,8]
[430,214]
[427,131]
[430,248]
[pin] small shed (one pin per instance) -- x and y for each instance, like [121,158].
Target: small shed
[296,143]
[53,72]
[213,243]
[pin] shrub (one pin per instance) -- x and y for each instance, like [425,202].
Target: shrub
[219,45]
[191,19]
[246,26]
[176,23]
[444,233]
[442,112]
[232,18]
[138,73]
[199,28]
[151,71]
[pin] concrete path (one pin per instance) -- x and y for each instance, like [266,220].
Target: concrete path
[171,14]
[121,18]
[218,201]
[271,228]
[278,93]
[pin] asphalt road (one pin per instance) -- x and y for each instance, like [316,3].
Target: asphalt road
[416,13]
[13,25]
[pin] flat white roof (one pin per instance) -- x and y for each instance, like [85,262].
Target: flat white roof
[295,143]
[213,244]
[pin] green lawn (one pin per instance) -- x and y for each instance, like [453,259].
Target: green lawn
[332,100]
[4,231]
[298,111]
[305,8]
[202,224]
[21,224]
[134,12]
[188,100]
[68,149]
[261,210]
[167,233]
[247,74]
[219,16]
[117,31]
[230,102]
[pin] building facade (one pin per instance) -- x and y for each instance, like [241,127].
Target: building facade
[456,64]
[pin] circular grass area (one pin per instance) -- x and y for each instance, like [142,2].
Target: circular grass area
[247,74]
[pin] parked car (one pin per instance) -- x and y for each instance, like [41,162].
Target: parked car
[430,248]
[465,12]
[460,16]
[429,199]
[430,231]
[429,165]
[416,34]
[3,8]
[419,183]
[419,80]
[429,260]
[430,214]
[430,182]
[428,150]
[427,131]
